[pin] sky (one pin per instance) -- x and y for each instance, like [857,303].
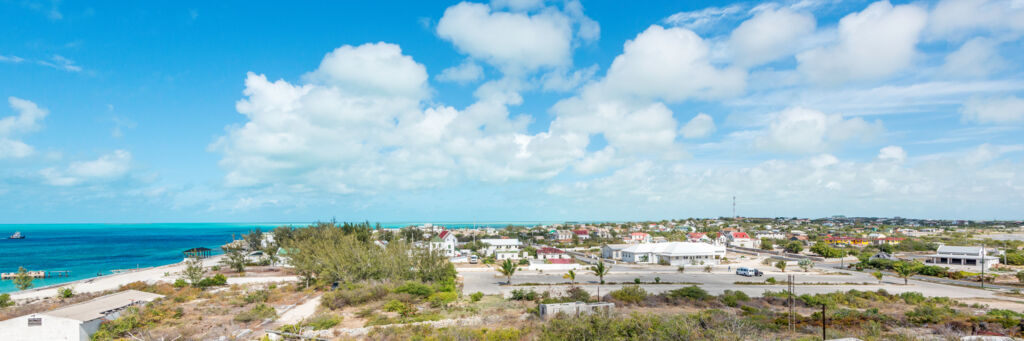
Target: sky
[510,110]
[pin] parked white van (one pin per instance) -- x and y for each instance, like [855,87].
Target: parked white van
[749,272]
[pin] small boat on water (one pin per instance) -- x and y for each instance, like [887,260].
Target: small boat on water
[16,235]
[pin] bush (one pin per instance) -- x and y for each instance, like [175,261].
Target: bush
[65,292]
[732,298]
[258,296]
[523,295]
[442,299]
[259,312]
[691,292]
[354,295]
[476,296]
[323,321]
[912,298]
[217,280]
[415,289]
[630,294]
[578,294]
[180,283]
[636,280]
[826,251]
[794,247]
[394,306]
[5,300]
[930,314]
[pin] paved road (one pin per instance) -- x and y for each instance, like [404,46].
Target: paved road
[715,283]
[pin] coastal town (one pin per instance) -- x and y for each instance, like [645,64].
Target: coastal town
[952,278]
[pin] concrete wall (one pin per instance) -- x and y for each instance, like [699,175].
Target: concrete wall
[52,328]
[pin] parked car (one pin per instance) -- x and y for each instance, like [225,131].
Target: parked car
[474,259]
[749,272]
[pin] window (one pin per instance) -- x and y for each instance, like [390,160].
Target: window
[35,321]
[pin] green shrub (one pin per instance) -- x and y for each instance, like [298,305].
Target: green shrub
[732,298]
[65,292]
[442,299]
[930,314]
[259,312]
[523,295]
[912,298]
[258,296]
[217,280]
[629,294]
[5,300]
[180,283]
[691,292]
[323,321]
[636,280]
[415,289]
[476,296]
[354,295]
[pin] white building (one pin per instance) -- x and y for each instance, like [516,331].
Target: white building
[675,253]
[74,322]
[769,235]
[613,251]
[969,257]
[446,243]
[502,248]
[741,239]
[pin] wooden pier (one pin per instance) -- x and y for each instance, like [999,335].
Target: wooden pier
[37,274]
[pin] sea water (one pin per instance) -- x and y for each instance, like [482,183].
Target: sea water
[88,250]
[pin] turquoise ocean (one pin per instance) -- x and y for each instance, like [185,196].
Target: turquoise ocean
[88,250]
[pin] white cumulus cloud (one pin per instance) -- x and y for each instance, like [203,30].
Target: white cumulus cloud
[770,35]
[512,41]
[875,43]
[998,110]
[27,120]
[108,167]
[463,73]
[699,126]
[892,153]
[802,130]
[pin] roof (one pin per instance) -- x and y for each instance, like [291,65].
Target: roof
[974,250]
[549,250]
[617,246]
[638,234]
[97,307]
[675,248]
[444,234]
[560,261]
[696,235]
[581,232]
[501,242]
[740,235]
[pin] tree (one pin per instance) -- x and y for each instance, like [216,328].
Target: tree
[254,239]
[905,270]
[781,265]
[507,269]
[767,244]
[794,247]
[826,251]
[271,251]
[805,264]
[193,271]
[1020,276]
[234,259]
[600,270]
[878,276]
[23,281]
[571,275]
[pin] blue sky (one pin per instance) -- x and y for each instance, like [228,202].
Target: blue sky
[509,110]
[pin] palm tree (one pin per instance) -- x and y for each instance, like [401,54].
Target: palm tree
[507,269]
[600,270]
[571,275]
[905,270]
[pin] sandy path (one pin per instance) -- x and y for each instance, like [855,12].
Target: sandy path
[299,312]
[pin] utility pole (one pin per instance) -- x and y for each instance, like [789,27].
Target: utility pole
[734,208]
[983,254]
[823,323]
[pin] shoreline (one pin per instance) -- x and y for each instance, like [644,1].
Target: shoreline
[111,282]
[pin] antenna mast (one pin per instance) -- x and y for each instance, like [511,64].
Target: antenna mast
[734,207]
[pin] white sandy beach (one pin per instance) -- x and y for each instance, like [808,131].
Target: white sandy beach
[165,273]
